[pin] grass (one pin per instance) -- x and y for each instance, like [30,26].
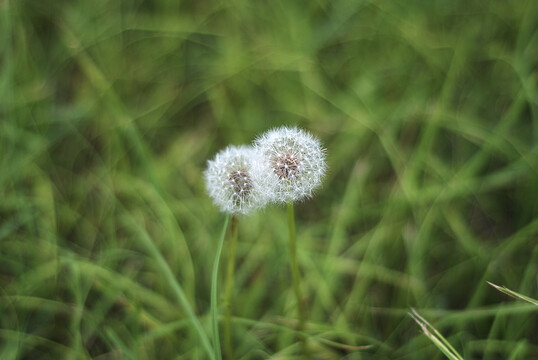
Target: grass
[109,111]
[514,294]
[440,342]
[214,291]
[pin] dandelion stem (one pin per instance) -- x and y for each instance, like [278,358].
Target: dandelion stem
[229,289]
[295,269]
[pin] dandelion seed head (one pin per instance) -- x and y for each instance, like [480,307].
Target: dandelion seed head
[236,180]
[296,160]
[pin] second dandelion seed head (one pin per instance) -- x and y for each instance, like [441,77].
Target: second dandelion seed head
[296,160]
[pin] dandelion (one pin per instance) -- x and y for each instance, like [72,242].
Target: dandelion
[236,180]
[284,165]
[238,183]
[297,161]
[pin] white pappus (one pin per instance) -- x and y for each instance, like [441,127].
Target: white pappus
[237,180]
[297,162]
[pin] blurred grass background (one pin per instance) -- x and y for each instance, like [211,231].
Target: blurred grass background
[110,109]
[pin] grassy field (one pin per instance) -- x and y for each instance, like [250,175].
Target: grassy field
[109,111]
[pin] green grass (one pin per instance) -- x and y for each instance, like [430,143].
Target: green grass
[214,294]
[440,342]
[514,294]
[109,111]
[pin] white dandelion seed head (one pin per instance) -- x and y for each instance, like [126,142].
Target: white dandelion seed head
[237,180]
[296,160]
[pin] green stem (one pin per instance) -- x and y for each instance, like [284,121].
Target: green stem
[229,289]
[295,268]
[214,306]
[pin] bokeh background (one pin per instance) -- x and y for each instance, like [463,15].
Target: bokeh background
[110,110]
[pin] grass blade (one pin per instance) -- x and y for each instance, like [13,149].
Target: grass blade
[214,305]
[435,336]
[514,294]
[150,246]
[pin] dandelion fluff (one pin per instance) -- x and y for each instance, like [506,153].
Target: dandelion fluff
[237,180]
[296,160]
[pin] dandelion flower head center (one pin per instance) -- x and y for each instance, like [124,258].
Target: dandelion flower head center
[286,165]
[240,182]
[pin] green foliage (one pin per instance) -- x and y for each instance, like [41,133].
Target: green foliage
[109,111]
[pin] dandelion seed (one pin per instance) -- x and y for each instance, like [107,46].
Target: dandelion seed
[297,161]
[236,180]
